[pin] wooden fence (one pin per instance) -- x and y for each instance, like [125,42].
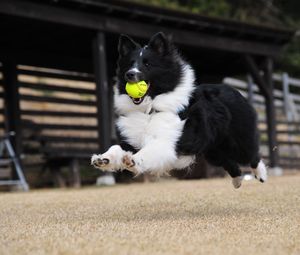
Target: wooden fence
[58,115]
[287,102]
[58,112]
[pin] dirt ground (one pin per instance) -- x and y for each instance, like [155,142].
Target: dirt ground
[173,217]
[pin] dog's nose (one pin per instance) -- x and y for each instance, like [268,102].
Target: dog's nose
[131,75]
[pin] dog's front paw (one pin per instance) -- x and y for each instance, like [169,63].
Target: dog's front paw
[128,161]
[99,161]
[129,164]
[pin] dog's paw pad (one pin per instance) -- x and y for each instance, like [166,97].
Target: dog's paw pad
[128,161]
[98,161]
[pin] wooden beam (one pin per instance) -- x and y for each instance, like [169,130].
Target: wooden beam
[254,71]
[192,38]
[12,103]
[55,14]
[102,91]
[265,83]
[271,114]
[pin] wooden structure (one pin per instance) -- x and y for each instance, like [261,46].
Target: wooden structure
[8,156]
[78,39]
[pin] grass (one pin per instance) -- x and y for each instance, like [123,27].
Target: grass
[173,217]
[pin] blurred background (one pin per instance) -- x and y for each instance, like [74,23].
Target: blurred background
[57,67]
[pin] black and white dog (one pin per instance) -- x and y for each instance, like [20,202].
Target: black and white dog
[177,118]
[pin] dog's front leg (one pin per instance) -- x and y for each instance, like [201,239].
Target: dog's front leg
[110,160]
[157,156]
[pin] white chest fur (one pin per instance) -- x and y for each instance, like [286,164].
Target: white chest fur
[140,129]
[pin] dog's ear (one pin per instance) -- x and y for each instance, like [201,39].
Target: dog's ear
[126,45]
[159,43]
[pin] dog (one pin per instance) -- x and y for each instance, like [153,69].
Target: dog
[177,119]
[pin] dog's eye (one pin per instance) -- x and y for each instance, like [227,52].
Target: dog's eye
[146,62]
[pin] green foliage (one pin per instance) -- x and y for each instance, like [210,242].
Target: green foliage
[218,8]
[291,58]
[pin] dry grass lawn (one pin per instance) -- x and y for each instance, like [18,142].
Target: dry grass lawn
[173,217]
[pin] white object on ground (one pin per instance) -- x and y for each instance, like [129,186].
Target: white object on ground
[106,180]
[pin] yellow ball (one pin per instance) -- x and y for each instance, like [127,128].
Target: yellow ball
[136,90]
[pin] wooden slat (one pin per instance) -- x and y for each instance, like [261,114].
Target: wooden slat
[41,86]
[288,143]
[31,150]
[289,162]
[57,152]
[290,165]
[87,77]
[59,126]
[37,165]
[282,143]
[291,132]
[65,139]
[289,123]
[5,162]
[5,172]
[292,81]
[290,158]
[57,100]
[58,114]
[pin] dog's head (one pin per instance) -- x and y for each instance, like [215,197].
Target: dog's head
[157,63]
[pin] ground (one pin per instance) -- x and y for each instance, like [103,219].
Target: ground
[168,217]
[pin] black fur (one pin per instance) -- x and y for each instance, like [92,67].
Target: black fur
[220,124]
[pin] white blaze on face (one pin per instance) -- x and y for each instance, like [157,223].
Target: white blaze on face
[134,69]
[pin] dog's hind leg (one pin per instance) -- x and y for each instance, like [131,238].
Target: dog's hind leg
[259,169]
[234,171]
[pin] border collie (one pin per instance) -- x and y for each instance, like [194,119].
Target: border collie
[177,119]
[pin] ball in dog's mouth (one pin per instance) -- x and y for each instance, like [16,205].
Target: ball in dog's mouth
[139,100]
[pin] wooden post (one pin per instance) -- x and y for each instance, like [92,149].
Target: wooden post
[265,84]
[286,96]
[250,86]
[12,104]
[271,114]
[102,90]
[75,169]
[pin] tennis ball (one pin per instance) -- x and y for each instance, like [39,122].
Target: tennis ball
[136,90]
